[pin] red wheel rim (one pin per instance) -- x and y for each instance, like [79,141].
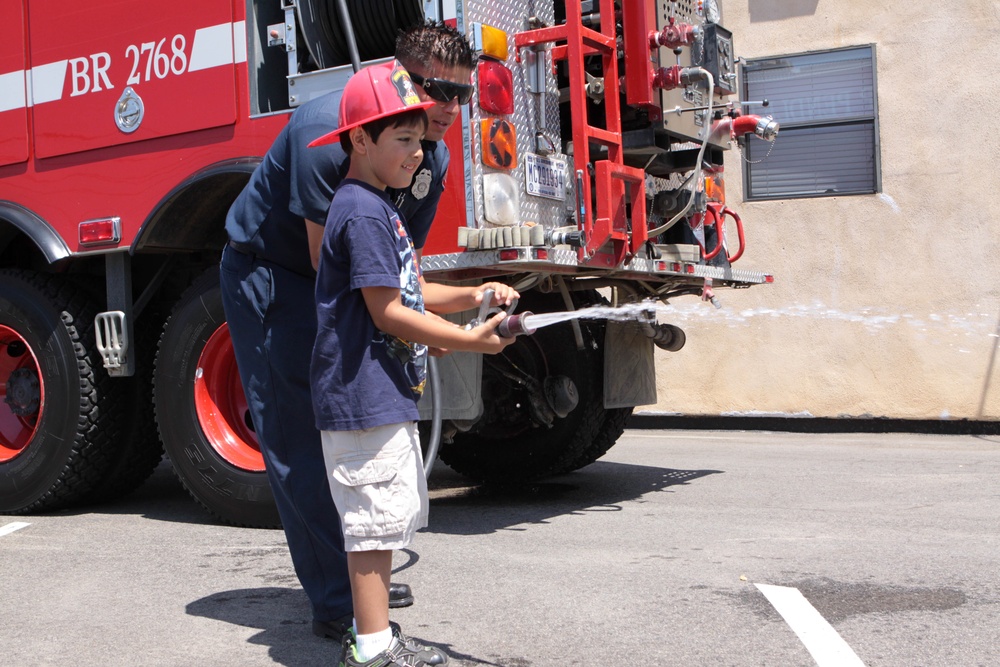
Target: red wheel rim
[221,405]
[22,394]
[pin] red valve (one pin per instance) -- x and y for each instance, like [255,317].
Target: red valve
[763,126]
[674,35]
[715,214]
[667,78]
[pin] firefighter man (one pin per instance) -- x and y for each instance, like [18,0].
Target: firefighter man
[267,279]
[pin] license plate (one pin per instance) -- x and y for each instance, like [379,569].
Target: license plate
[544,177]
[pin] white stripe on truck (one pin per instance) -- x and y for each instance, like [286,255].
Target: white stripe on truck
[214,46]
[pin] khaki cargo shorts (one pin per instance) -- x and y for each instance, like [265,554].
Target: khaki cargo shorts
[377,482]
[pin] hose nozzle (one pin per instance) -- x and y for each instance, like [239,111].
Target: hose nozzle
[516,325]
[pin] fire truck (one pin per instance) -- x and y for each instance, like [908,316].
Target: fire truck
[587,169]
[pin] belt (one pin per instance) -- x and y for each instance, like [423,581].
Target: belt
[243,248]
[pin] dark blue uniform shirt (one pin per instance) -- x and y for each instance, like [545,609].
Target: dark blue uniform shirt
[295,183]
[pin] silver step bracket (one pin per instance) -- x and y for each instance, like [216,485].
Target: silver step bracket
[112,339]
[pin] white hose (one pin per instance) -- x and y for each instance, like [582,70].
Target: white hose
[706,131]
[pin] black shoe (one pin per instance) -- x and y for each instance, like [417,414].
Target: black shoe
[429,654]
[335,629]
[400,595]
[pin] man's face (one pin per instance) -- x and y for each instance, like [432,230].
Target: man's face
[440,116]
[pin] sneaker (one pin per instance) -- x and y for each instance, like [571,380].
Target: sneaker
[402,652]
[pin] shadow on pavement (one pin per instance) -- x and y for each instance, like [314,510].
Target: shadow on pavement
[283,618]
[458,508]
[160,498]
[281,614]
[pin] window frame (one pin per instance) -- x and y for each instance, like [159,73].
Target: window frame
[862,120]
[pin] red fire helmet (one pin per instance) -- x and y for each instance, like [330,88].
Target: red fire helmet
[375,92]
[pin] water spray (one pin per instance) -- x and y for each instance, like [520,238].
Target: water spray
[664,336]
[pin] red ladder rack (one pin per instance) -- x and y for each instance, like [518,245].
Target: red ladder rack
[609,238]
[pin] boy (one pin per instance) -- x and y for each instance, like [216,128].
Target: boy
[368,360]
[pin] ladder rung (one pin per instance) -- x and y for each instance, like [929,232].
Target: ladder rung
[598,39]
[603,136]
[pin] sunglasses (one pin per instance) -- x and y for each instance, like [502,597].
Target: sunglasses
[442,90]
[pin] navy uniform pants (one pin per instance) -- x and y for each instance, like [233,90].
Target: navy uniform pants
[271,314]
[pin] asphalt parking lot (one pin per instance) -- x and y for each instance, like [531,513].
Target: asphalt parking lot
[677,548]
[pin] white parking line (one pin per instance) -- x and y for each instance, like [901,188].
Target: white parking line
[11,527]
[827,647]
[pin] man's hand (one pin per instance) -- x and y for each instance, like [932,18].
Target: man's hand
[503,295]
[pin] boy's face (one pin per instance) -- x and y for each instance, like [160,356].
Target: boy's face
[395,158]
[440,116]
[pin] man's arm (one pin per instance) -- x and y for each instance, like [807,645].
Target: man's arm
[445,299]
[314,232]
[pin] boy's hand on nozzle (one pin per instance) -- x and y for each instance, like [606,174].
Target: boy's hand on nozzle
[486,334]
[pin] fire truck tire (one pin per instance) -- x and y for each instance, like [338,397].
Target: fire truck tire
[59,414]
[139,450]
[611,429]
[505,447]
[219,471]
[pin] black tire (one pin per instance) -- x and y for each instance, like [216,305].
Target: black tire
[74,428]
[506,446]
[138,450]
[611,429]
[233,494]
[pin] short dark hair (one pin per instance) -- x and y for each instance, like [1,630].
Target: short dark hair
[434,40]
[375,128]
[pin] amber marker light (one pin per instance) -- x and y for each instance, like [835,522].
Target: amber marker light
[489,41]
[499,143]
[715,189]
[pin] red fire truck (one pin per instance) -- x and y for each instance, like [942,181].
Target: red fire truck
[588,167]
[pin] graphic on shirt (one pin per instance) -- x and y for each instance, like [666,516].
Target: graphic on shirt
[413,356]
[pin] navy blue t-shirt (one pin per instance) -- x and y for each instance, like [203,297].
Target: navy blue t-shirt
[295,183]
[362,377]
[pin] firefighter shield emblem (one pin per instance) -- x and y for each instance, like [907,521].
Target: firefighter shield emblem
[421,184]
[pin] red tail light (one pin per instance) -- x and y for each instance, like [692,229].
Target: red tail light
[496,88]
[99,232]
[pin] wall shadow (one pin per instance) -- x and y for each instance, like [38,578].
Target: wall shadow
[779,10]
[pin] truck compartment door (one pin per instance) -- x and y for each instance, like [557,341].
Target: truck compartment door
[119,71]
[13,109]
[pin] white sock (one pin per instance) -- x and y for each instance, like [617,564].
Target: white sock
[369,646]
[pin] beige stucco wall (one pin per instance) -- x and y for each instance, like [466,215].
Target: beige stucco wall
[884,305]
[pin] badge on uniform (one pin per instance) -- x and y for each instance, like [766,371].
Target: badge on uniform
[421,184]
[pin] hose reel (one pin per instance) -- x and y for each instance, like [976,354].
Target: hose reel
[375,22]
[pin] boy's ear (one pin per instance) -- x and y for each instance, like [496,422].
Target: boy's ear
[359,141]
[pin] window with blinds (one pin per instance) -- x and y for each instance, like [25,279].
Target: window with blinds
[826,105]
